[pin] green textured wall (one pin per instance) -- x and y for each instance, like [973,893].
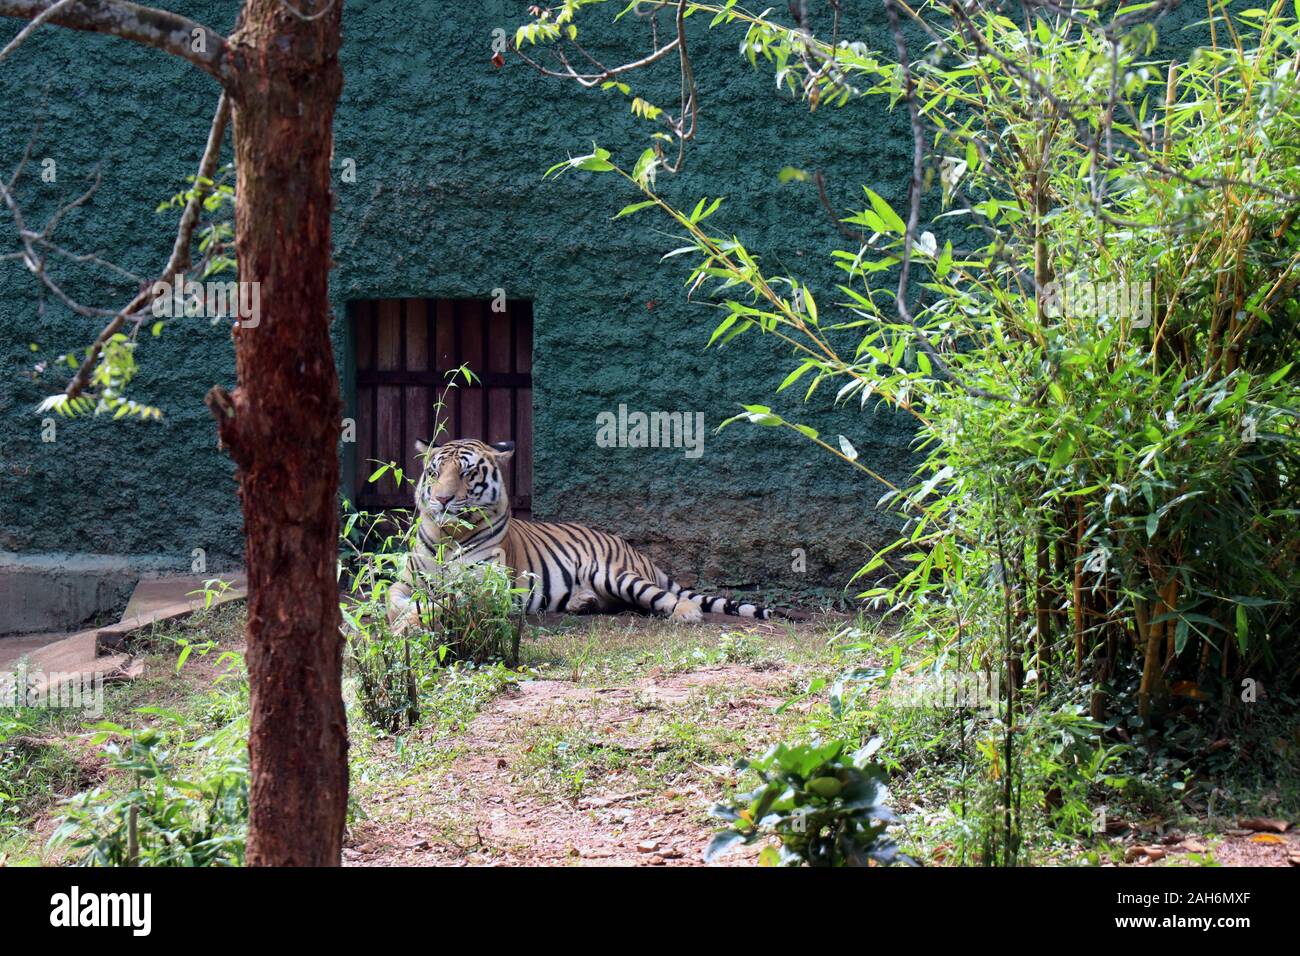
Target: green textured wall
[156,490]
[449,202]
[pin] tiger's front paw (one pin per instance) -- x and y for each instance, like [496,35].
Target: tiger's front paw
[584,602]
[687,612]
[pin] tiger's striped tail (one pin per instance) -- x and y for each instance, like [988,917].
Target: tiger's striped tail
[719,605]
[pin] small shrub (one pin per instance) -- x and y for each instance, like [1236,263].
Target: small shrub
[825,807]
[387,682]
[172,815]
[474,611]
[740,648]
[468,613]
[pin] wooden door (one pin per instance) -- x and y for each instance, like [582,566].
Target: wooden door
[404,352]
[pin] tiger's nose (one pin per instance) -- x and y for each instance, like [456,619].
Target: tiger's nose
[443,499]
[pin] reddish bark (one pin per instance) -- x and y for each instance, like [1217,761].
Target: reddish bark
[282,422]
[281,425]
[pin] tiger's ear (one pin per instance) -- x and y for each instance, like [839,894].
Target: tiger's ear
[504,450]
[424,449]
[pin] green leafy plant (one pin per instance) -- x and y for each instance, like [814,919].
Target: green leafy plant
[187,804]
[115,367]
[740,648]
[824,805]
[32,771]
[468,613]
[1088,308]
[471,613]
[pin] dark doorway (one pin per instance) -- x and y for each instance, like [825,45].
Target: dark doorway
[404,351]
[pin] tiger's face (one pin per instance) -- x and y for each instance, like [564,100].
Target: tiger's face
[461,478]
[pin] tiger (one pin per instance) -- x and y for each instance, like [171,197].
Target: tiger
[464,517]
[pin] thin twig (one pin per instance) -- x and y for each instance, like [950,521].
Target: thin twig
[179,262]
[31,28]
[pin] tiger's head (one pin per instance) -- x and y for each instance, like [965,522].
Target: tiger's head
[462,478]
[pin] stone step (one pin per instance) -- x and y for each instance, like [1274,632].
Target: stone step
[41,650]
[67,670]
[73,652]
[160,598]
[55,660]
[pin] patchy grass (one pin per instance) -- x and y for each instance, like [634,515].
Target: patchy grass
[617,738]
[616,735]
[598,650]
[34,773]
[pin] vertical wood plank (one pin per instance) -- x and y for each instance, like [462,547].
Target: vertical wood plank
[444,335]
[390,434]
[473,418]
[363,330]
[500,427]
[417,401]
[524,443]
[500,348]
[470,319]
[448,415]
[417,335]
[365,444]
[470,325]
[389,327]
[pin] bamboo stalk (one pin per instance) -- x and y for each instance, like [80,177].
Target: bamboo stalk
[1170,599]
[132,837]
[1078,588]
[1044,599]
[1151,674]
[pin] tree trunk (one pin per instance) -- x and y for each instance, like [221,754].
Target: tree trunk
[281,425]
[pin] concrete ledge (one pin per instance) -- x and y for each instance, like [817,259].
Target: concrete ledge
[87,658]
[166,599]
[65,592]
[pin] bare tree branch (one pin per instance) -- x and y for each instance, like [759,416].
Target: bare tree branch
[32,256]
[589,80]
[307,17]
[161,29]
[31,28]
[179,262]
[914,208]
[684,125]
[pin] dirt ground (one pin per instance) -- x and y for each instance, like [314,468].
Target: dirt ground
[613,755]
[607,748]
[485,795]
[654,750]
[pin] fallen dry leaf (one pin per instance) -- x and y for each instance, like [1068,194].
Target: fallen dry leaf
[1267,838]
[1269,824]
[1144,854]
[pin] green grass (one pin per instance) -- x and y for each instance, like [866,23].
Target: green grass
[382,759]
[652,755]
[602,650]
[662,711]
[34,773]
[47,758]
